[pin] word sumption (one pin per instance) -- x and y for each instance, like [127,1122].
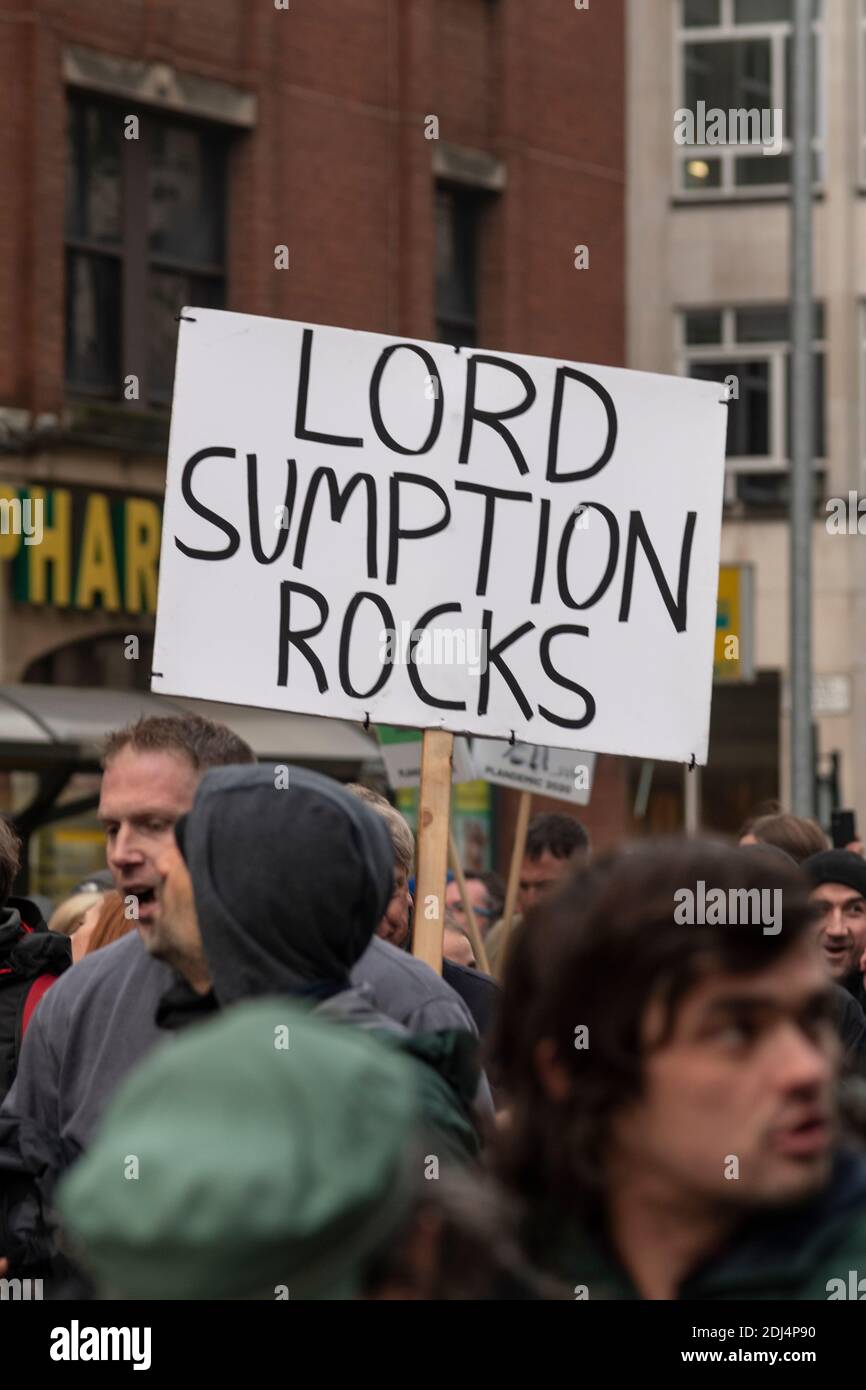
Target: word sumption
[339,485]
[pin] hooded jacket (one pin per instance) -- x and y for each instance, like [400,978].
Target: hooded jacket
[98,1023]
[27,951]
[290,883]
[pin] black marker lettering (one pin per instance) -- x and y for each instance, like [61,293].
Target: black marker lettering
[494,658]
[637,532]
[551,672]
[301,431]
[562,562]
[346,637]
[494,418]
[339,502]
[490,495]
[395,535]
[200,509]
[288,638]
[413,669]
[564,374]
[375,405]
[253,503]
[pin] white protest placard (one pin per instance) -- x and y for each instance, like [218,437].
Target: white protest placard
[559,772]
[372,528]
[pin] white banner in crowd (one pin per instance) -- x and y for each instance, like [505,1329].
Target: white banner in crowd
[558,772]
[366,527]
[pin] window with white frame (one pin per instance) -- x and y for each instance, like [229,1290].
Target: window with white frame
[735,56]
[752,344]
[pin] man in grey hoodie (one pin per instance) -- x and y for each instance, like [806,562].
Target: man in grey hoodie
[107,1012]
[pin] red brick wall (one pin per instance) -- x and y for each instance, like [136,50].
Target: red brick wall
[338,167]
[339,170]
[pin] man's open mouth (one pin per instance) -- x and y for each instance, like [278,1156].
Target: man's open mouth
[810,1137]
[837,950]
[145,897]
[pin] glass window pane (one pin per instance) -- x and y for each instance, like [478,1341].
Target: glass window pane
[93,144]
[761,11]
[764,325]
[698,13]
[168,291]
[702,173]
[703,326]
[186,195]
[456,236]
[762,171]
[93,323]
[727,75]
[749,414]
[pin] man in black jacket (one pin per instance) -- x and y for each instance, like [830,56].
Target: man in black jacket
[31,959]
[838,880]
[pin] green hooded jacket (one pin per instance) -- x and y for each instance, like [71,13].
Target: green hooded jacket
[817,1251]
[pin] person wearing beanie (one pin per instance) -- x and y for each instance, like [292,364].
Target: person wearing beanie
[838,880]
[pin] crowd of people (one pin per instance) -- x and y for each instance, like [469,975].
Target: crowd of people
[224,1074]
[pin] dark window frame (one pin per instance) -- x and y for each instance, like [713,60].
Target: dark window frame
[454,324]
[735,350]
[132,254]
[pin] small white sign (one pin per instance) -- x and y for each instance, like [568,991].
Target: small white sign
[831,694]
[560,772]
[402,759]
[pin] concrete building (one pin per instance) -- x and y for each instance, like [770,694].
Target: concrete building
[708,268]
[421,167]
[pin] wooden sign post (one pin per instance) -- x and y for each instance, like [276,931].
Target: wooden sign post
[520,829]
[434,814]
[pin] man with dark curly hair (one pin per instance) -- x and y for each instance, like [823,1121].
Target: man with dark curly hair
[674,1129]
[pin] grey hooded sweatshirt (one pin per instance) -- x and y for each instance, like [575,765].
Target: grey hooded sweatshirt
[94,1026]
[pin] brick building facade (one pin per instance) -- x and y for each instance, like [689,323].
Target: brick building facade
[428,165]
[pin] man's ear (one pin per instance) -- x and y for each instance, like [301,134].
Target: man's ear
[555,1081]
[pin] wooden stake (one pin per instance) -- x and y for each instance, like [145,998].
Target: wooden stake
[471,925]
[520,828]
[434,814]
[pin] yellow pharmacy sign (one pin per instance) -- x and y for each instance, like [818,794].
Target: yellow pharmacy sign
[734,652]
[72,547]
